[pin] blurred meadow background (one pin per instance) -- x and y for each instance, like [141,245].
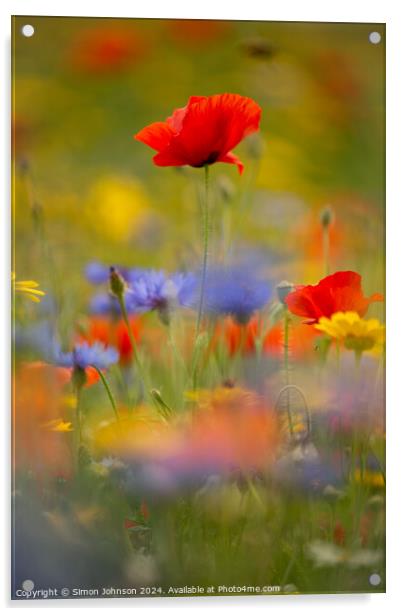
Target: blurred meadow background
[84,191]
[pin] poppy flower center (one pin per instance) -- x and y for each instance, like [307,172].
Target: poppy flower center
[212,158]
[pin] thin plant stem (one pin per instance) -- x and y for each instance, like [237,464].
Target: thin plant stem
[78,430]
[325,248]
[286,324]
[205,249]
[254,492]
[108,391]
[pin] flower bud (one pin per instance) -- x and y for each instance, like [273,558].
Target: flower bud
[116,282]
[226,188]
[255,146]
[327,216]
[283,289]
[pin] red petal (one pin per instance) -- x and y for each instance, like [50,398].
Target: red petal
[157,135]
[214,125]
[301,302]
[338,292]
[92,376]
[376,297]
[204,131]
[169,158]
[177,117]
[232,159]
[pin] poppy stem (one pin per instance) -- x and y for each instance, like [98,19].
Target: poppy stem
[205,252]
[325,242]
[286,367]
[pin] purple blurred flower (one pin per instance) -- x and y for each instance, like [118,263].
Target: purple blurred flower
[96,273]
[154,290]
[236,291]
[84,355]
[107,304]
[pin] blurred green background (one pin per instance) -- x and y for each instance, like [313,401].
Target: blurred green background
[84,87]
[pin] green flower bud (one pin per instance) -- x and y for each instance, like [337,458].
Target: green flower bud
[327,216]
[283,289]
[116,282]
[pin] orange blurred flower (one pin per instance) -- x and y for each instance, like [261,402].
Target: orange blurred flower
[242,338]
[225,434]
[38,403]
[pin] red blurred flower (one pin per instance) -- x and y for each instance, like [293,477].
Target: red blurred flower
[112,333]
[239,337]
[203,132]
[243,338]
[106,50]
[338,292]
[301,340]
[197,32]
[339,534]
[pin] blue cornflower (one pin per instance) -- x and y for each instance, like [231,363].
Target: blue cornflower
[84,355]
[96,273]
[235,291]
[154,290]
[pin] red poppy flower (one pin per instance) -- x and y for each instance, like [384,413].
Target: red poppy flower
[338,292]
[106,50]
[239,337]
[203,132]
[195,33]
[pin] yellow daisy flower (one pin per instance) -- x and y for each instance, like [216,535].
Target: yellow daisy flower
[28,287]
[58,425]
[356,333]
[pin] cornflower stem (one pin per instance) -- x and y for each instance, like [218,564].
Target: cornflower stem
[205,225]
[325,248]
[286,324]
[108,391]
[180,371]
[78,430]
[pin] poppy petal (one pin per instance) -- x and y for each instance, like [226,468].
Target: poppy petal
[177,117]
[157,135]
[339,292]
[214,125]
[204,131]
[233,160]
[92,376]
[169,158]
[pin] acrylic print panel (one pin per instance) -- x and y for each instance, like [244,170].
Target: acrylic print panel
[198,282]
